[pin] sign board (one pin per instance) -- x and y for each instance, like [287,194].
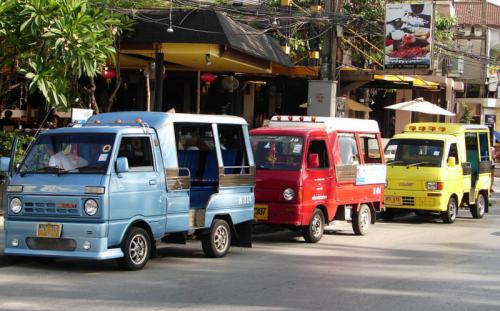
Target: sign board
[80,116]
[340,109]
[490,118]
[321,98]
[408,36]
[371,174]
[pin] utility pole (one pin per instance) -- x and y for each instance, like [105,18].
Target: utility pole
[329,50]
[484,42]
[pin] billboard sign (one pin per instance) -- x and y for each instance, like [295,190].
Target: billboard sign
[408,36]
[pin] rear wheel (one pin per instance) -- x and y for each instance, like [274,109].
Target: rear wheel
[361,220]
[477,210]
[216,243]
[136,248]
[450,214]
[313,232]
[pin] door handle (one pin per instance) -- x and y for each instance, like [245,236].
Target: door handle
[152,182]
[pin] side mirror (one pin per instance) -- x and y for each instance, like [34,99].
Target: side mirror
[4,164]
[451,161]
[121,165]
[313,160]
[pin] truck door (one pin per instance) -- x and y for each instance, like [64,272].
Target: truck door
[455,171]
[317,186]
[137,191]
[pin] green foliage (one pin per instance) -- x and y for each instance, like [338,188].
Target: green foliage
[444,27]
[53,43]
[6,139]
[467,115]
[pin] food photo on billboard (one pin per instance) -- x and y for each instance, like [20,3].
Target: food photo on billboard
[408,36]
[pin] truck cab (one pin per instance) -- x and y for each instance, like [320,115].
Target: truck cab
[113,187]
[439,168]
[313,170]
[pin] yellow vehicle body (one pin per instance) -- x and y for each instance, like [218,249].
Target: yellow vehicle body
[459,166]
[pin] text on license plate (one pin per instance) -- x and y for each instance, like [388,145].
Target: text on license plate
[393,200]
[48,230]
[261,212]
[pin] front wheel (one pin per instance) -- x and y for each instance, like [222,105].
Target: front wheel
[217,242]
[477,210]
[313,232]
[450,214]
[362,220]
[136,249]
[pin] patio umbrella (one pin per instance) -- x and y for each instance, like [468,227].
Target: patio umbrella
[420,105]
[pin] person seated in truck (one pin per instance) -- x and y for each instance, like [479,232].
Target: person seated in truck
[67,159]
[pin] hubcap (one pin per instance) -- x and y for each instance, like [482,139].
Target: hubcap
[221,238]
[316,225]
[365,219]
[481,205]
[138,249]
[452,210]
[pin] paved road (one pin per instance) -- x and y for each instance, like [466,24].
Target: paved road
[407,264]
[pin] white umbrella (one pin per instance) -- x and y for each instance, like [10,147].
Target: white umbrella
[420,105]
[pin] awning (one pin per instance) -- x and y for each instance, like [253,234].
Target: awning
[354,105]
[414,80]
[421,105]
[203,40]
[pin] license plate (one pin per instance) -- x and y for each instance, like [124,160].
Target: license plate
[261,212]
[393,200]
[48,230]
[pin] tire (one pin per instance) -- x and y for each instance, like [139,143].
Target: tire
[477,210]
[387,215]
[450,214]
[216,244]
[313,232]
[136,249]
[361,220]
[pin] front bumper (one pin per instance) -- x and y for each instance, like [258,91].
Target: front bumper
[283,214]
[417,200]
[75,233]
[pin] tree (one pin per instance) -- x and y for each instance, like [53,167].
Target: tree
[52,45]
[467,115]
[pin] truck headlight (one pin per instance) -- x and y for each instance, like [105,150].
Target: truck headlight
[91,207]
[434,185]
[288,194]
[16,205]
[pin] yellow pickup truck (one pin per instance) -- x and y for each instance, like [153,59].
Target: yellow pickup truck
[439,167]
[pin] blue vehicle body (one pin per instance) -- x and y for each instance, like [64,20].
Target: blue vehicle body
[165,199]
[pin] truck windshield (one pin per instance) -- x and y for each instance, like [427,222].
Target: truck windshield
[69,153]
[277,152]
[415,152]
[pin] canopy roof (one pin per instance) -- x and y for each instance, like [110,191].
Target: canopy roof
[421,105]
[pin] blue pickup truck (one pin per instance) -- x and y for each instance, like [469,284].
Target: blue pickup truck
[112,187]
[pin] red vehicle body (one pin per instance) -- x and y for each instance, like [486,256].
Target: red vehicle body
[311,171]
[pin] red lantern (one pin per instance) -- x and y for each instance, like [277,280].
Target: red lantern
[208,78]
[108,74]
[7,71]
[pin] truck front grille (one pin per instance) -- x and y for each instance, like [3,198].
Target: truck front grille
[49,244]
[408,201]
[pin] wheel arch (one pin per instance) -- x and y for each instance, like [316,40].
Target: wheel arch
[323,209]
[140,223]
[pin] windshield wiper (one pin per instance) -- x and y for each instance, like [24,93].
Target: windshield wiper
[46,169]
[394,162]
[419,163]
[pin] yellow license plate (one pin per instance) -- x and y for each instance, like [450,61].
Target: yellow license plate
[48,230]
[261,212]
[393,200]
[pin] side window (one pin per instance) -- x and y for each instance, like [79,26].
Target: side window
[232,144]
[196,151]
[371,148]
[349,154]
[484,147]
[138,152]
[453,152]
[319,147]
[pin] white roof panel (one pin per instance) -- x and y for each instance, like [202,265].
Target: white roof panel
[330,124]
